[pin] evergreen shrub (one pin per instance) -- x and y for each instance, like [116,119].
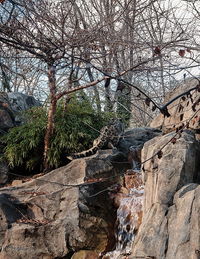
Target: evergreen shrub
[76,126]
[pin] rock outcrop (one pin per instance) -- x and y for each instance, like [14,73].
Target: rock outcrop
[7,118]
[58,213]
[10,106]
[69,209]
[171,171]
[170,226]
[183,110]
[132,143]
[21,102]
[184,224]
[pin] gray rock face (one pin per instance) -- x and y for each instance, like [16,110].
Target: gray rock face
[136,137]
[131,144]
[4,170]
[54,214]
[10,106]
[21,102]
[184,224]
[170,227]
[7,119]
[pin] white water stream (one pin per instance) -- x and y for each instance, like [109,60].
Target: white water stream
[129,215]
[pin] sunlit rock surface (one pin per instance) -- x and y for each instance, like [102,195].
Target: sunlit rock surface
[54,215]
[176,167]
[184,224]
[182,110]
[85,254]
[170,226]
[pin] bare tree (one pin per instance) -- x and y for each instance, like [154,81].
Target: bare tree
[111,45]
[49,32]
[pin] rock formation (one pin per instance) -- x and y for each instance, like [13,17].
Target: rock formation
[10,106]
[21,102]
[70,211]
[67,210]
[133,140]
[182,110]
[171,172]
[7,119]
[54,214]
[170,226]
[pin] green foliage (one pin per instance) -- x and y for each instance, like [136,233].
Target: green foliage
[23,144]
[123,111]
[74,131]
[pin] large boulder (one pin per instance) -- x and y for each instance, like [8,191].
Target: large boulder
[64,211]
[21,102]
[7,119]
[170,226]
[131,143]
[68,209]
[11,104]
[184,224]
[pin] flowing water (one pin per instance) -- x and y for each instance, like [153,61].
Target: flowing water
[129,214]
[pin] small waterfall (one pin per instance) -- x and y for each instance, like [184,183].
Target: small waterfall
[129,214]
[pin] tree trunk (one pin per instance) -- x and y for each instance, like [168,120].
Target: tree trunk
[96,92]
[51,114]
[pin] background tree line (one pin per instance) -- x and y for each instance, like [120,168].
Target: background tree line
[124,56]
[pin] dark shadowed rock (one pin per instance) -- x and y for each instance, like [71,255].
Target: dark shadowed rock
[132,142]
[4,171]
[11,104]
[137,137]
[7,119]
[22,102]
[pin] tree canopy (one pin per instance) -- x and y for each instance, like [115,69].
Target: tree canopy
[126,55]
